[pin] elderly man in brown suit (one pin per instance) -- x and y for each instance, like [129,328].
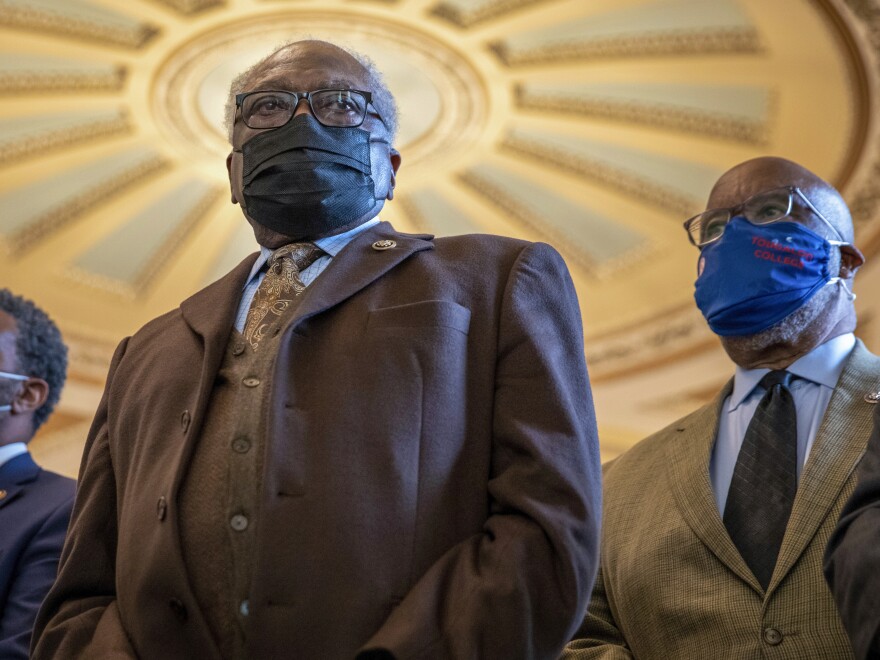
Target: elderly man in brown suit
[380,446]
[715,527]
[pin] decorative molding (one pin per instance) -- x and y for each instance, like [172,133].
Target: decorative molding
[478,11]
[659,115]
[462,92]
[54,219]
[864,202]
[61,80]
[617,178]
[648,44]
[35,144]
[88,356]
[160,257]
[645,345]
[43,18]
[414,214]
[190,7]
[534,223]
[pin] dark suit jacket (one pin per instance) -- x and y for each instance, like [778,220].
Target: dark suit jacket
[852,561]
[34,513]
[432,481]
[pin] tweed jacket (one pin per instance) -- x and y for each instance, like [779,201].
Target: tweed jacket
[852,560]
[35,509]
[671,583]
[431,482]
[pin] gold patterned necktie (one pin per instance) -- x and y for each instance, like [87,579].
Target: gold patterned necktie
[278,289]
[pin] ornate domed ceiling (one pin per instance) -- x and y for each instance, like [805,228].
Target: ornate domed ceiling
[595,126]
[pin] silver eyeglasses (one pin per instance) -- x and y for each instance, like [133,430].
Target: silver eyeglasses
[345,108]
[762,209]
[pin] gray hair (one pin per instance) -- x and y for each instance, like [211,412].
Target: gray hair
[383,99]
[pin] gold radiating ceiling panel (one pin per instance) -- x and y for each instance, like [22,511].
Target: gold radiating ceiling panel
[597,127]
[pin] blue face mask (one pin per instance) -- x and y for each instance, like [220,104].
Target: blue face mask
[754,276]
[9,376]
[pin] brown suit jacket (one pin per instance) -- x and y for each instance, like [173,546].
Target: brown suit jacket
[671,583]
[432,482]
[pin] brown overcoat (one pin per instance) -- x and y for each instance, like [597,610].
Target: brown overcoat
[432,480]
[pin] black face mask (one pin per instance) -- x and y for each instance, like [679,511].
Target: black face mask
[306,180]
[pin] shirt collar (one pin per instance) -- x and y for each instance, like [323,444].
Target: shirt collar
[10,451]
[331,245]
[822,366]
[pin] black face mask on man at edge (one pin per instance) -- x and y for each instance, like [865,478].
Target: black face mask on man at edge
[305,179]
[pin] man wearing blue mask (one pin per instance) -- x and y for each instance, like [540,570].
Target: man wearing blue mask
[35,504]
[715,527]
[358,444]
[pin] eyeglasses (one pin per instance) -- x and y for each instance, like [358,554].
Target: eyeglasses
[331,107]
[762,209]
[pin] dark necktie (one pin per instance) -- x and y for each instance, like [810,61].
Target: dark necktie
[764,479]
[280,285]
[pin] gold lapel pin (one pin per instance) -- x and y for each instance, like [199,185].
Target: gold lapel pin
[873,397]
[2,494]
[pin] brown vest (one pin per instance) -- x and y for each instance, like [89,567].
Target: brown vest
[219,499]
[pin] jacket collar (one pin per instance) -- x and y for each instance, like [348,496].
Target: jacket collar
[15,475]
[839,445]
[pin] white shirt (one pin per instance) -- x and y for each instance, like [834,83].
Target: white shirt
[817,373]
[10,451]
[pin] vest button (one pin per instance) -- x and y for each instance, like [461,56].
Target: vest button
[238,349]
[772,636]
[178,609]
[238,522]
[251,381]
[161,508]
[185,420]
[241,445]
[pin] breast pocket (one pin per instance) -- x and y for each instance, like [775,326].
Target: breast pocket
[424,314]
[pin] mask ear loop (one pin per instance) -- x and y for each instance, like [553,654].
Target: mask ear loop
[839,280]
[9,376]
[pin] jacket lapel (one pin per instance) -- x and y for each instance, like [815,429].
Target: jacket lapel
[210,313]
[357,266]
[688,469]
[839,445]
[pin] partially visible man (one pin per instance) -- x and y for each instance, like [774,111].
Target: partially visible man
[852,562]
[715,527]
[358,443]
[35,504]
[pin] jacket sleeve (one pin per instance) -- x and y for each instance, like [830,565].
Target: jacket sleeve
[852,559]
[598,638]
[80,618]
[519,588]
[34,575]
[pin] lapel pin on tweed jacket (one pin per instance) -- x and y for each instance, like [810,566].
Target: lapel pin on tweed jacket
[873,397]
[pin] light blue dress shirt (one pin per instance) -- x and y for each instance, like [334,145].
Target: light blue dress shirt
[10,451]
[817,373]
[331,246]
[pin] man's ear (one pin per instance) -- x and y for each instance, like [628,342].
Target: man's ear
[31,396]
[395,158]
[229,172]
[851,259]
